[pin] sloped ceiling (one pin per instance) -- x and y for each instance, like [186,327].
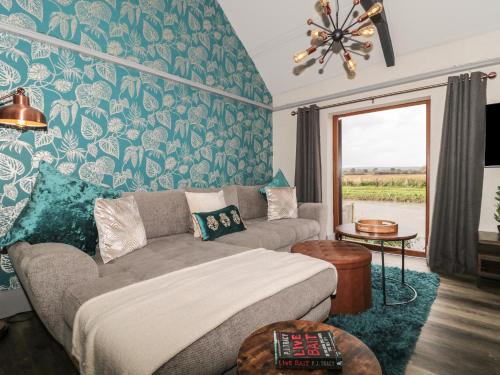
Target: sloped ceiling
[273,30]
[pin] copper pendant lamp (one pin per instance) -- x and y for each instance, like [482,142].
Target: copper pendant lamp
[19,114]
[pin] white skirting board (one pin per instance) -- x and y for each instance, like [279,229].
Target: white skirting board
[13,302]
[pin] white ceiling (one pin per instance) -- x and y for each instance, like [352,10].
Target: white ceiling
[273,30]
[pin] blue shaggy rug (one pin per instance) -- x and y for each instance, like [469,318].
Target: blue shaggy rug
[391,332]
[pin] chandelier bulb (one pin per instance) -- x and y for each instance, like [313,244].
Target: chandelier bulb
[368,45]
[319,35]
[356,2]
[316,33]
[300,56]
[310,21]
[326,6]
[366,31]
[351,64]
[375,9]
[321,60]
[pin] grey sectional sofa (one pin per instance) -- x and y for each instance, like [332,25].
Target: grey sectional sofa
[58,278]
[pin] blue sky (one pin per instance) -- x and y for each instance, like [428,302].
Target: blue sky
[391,138]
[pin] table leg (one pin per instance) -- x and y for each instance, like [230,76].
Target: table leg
[403,282]
[383,272]
[403,261]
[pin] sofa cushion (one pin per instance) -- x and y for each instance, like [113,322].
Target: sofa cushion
[219,223]
[160,256]
[163,213]
[273,235]
[282,203]
[216,352]
[120,227]
[60,209]
[230,193]
[252,204]
[279,180]
[203,201]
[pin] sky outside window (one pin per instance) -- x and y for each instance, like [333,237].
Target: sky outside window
[390,138]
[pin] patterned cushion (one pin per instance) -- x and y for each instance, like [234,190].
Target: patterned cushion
[282,203]
[8,279]
[120,227]
[204,202]
[279,180]
[61,209]
[219,223]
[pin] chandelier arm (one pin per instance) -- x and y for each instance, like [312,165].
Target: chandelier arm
[351,25]
[337,13]
[351,39]
[332,21]
[357,53]
[321,27]
[350,12]
[350,47]
[326,41]
[342,45]
[328,50]
[327,60]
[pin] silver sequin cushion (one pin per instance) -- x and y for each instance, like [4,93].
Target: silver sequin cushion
[281,203]
[120,227]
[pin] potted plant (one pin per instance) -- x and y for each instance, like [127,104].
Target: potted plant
[497,212]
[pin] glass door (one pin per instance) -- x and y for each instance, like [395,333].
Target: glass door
[381,168]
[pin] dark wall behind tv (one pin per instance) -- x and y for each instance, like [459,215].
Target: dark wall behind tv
[492,156]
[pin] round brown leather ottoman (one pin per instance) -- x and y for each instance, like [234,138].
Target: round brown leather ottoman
[353,263]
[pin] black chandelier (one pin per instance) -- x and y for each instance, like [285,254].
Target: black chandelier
[340,34]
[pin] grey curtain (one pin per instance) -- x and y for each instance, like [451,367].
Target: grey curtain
[308,155]
[457,206]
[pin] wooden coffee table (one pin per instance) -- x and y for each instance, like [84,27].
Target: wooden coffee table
[349,230]
[256,355]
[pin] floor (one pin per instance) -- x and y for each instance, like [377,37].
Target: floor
[462,335]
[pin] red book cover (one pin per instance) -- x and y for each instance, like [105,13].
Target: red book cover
[306,350]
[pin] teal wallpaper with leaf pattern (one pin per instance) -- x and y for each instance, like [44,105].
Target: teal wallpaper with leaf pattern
[119,127]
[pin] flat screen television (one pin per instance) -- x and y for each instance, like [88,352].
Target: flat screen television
[492,157]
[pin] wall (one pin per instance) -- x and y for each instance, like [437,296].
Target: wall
[446,56]
[119,127]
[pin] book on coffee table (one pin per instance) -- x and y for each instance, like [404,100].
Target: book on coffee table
[306,350]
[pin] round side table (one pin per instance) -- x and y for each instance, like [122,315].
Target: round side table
[349,230]
[256,355]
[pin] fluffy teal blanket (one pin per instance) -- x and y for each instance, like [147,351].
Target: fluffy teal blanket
[391,332]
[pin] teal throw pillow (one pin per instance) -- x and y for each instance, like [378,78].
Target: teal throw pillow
[219,223]
[278,181]
[60,209]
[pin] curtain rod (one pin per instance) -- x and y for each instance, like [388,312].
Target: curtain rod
[491,75]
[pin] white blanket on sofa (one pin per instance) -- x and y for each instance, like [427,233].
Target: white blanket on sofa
[136,329]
